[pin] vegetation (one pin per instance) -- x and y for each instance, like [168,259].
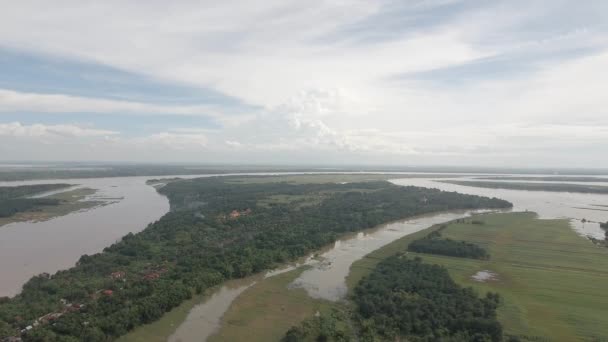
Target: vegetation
[267,309]
[11,192]
[552,282]
[333,326]
[215,231]
[406,299]
[555,187]
[12,206]
[435,244]
[13,199]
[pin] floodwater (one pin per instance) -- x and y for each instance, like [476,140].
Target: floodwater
[485,275]
[547,204]
[327,278]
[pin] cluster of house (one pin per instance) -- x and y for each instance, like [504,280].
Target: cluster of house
[153,275]
[71,307]
[50,317]
[238,213]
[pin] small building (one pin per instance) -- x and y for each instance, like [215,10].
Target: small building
[118,275]
[234,214]
[108,292]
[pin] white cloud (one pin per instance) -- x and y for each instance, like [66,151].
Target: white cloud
[325,91]
[16,129]
[13,101]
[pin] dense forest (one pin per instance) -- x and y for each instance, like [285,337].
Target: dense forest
[406,299]
[217,229]
[13,199]
[434,243]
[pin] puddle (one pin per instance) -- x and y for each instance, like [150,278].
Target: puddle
[484,276]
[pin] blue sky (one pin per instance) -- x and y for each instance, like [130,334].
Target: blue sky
[441,82]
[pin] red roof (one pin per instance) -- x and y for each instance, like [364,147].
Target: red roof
[108,292]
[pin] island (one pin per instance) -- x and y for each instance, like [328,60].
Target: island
[219,228]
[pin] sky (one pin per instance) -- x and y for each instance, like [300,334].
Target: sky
[419,82]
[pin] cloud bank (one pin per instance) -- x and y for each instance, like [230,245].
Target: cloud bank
[516,83]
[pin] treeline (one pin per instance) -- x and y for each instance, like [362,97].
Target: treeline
[406,299]
[12,199]
[434,243]
[197,245]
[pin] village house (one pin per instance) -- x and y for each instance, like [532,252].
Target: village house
[118,275]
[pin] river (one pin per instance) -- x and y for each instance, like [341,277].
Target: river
[30,248]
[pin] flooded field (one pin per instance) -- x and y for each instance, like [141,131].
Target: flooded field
[580,208]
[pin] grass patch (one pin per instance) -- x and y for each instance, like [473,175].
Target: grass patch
[160,330]
[267,310]
[553,282]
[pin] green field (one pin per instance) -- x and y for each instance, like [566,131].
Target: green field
[554,283]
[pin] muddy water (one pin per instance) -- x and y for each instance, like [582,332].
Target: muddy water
[547,204]
[30,248]
[326,279]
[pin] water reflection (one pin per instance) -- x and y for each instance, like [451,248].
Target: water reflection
[547,204]
[326,279]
